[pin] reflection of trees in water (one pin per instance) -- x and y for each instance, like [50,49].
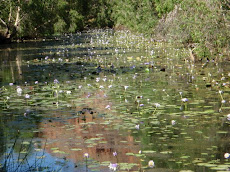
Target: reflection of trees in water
[224,139]
[81,132]
[2,139]
[89,133]
[10,133]
[11,66]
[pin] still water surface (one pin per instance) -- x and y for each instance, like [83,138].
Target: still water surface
[120,98]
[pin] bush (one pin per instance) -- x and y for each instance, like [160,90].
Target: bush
[201,23]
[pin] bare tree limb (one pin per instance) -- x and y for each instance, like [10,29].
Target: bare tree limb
[3,22]
[10,14]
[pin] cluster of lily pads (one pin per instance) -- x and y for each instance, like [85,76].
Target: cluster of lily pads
[165,102]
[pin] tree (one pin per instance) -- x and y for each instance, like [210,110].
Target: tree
[10,17]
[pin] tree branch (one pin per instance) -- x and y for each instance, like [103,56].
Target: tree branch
[17,20]
[3,22]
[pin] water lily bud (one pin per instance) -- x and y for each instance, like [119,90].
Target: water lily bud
[140,152]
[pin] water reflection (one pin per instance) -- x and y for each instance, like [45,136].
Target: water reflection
[91,132]
[104,92]
[10,62]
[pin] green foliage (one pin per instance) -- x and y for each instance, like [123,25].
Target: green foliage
[76,21]
[101,12]
[136,15]
[37,23]
[59,26]
[201,22]
[164,7]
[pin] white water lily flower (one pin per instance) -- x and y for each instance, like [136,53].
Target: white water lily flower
[151,164]
[227,155]
[97,79]
[173,122]
[228,117]
[27,96]
[19,90]
[86,155]
[113,166]
[107,107]
[157,105]
[68,92]
[223,101]
[184,100]
[137,126]
[126,87]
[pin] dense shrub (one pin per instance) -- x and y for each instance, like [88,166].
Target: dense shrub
[200,23]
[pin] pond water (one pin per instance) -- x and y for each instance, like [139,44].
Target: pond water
[107,100]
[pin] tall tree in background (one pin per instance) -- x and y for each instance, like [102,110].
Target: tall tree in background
[137,15]
[40,17]
[11,16]
[37,18]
